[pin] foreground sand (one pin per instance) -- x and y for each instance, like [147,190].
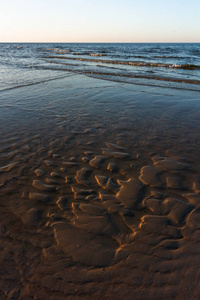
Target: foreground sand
[100,192]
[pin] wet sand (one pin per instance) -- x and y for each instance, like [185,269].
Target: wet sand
[100,191]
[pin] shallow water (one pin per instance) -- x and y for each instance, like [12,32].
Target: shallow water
[167,65]
[100,190]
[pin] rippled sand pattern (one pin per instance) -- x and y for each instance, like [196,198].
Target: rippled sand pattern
[92,217]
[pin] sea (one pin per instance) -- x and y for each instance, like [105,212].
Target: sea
[168,65]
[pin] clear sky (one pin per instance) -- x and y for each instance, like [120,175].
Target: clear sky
[99,20]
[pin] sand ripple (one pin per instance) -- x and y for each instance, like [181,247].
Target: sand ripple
[100,217]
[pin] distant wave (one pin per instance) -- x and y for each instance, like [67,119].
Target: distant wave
[62,51]
[89,54]
[90,72]
[16,47]
[189,67]
[170,56]
[154,83]
[97,54]
[148,77]
[131,63]
[196,52]
[57,49]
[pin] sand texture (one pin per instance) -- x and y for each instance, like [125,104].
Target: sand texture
[101,201]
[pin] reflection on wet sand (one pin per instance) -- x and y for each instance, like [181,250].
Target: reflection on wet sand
[100,193]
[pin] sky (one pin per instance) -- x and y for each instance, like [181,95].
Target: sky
[100,21]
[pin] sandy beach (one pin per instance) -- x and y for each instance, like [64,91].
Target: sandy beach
[100,191]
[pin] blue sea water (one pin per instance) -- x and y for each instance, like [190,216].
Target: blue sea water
[165,65]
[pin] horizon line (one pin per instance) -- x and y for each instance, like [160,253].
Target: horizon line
[34,42]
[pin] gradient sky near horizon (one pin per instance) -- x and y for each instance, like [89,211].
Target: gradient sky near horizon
[100,21]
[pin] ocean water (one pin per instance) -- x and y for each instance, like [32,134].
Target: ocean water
[164,65]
